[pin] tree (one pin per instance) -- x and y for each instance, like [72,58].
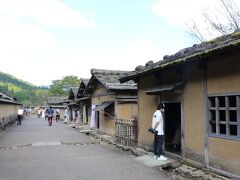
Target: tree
[62,86]
[224,20]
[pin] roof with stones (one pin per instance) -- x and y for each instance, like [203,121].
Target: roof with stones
[196,52]
[110,79]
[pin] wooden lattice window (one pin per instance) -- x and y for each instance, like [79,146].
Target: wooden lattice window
[224,115]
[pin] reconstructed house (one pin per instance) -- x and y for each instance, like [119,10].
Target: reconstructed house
[84,102]
[58,103]
[8,110]
[200,87]
[73,105]
[113,104]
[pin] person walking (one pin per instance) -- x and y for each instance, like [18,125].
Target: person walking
[46,114]
[20,116]
[43,113]
[39,113]
[50,115]
[157,124]
[57,115]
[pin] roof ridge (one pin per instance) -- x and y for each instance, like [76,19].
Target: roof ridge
[196,50]
[106,71]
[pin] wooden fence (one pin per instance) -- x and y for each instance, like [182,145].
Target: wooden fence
[126,131]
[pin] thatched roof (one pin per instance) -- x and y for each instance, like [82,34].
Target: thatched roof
[110,79]
[7,99]
[196,52]
[56,100]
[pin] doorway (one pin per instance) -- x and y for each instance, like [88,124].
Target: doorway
[97,119]
[172,128]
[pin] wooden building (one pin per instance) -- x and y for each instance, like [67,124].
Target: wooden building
[200,87]
[84,102]
[8,110]
[73,105]
[112,103]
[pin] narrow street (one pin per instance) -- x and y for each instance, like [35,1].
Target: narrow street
[35,150]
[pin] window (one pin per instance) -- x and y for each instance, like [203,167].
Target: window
[109,112]
[224,115]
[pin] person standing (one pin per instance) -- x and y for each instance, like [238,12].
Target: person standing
[157,124]
[66,115]
[20,116]
[50,115]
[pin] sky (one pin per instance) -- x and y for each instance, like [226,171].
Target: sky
[44,40]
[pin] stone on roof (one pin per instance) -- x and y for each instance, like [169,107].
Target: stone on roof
[197,51]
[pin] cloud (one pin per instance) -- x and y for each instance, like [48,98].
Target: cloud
[51,13]
[143,50]
[17,38]
[42,69]
[178,12]
[184,12]
[28,50]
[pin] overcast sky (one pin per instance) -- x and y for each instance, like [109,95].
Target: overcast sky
[44,40]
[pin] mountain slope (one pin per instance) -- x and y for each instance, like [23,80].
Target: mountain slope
[23,91]
[8,78]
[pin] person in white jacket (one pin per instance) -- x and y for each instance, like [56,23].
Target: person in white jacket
[157,124]
[20,116]
[66,115]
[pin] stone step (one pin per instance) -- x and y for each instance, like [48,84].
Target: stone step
[149,161]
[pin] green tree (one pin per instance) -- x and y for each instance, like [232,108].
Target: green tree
[62,86]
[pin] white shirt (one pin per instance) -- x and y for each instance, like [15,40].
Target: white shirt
[66,112]
[157,117]
[20,112]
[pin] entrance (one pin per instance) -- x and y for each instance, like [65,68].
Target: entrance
[172,133]
[97,119]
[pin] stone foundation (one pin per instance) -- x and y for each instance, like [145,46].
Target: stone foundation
[7,121]
[189,154]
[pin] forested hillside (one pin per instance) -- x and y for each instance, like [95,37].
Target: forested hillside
[23,91]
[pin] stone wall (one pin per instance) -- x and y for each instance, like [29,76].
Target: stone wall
[7,121]
[8,115]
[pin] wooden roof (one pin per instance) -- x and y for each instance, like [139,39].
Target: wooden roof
[110,79]
[8,100]
[73,93]
[196,52]
[57,100]
[82,86]
[74,90]
[85,81]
